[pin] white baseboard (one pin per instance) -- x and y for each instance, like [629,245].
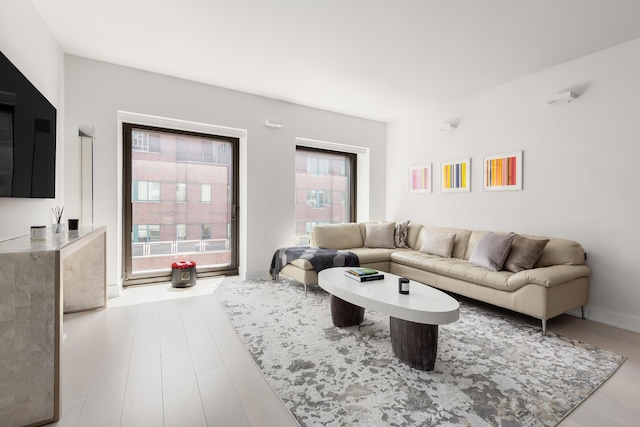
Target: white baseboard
[631,323]
[257,275]
[611,318]
[577,312]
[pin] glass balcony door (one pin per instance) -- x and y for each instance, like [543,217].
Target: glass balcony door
[180,202]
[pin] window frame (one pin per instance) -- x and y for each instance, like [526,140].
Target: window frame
[233,226]
[352,158]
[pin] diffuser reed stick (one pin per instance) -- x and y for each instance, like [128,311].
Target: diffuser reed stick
[57,213]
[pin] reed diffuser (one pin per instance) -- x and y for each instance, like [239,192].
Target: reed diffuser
[57,215]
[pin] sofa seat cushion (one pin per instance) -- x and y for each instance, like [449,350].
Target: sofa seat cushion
[365,255]
[502,280]
[371,255]
[424,261]
[302,263]
[459,269]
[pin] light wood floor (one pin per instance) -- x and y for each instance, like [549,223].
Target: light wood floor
[176,361]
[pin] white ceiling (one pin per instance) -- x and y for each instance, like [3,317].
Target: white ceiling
[376,59]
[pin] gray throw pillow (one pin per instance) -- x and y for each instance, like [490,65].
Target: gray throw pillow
[440,244]
[379,235]
[524,253]
[491,251]
[401,233]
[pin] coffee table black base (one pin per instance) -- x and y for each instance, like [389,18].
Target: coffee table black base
[415,344]
[344,313]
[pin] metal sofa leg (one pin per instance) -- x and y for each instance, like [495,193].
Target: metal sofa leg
[582,309]
[544,326]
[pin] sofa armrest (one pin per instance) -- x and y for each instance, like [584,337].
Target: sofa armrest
[549,276]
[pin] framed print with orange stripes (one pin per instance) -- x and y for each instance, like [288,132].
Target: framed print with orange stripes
[503,171]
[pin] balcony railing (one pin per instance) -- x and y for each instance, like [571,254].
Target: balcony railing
[196,158]
[145,249]
[302,240]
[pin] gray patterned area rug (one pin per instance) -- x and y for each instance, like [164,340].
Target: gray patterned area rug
[490,370]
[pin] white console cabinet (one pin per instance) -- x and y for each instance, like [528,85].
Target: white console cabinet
[39,281]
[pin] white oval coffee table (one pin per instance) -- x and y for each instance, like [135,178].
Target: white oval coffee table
[414,318]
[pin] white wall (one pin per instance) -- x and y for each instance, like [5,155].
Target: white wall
[580,167]
[96,91]
[27,43]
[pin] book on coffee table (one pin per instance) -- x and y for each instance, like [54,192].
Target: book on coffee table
[362,271]
[365,277]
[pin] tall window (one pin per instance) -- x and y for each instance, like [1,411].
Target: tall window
[170,167]
[318,198]
[146,191]
[146,233]
[325,189]
[205,231]
[181,192]
[206,193]
[145,141]
[181,231]
[318,165]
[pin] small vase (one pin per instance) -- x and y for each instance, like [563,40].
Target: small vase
[57,228]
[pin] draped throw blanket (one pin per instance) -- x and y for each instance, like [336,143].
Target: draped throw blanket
[319,258]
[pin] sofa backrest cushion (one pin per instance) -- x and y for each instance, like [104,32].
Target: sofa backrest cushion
[459,245]
[380,235]
[440,244]
[412,235]
[560,251]
[337,236]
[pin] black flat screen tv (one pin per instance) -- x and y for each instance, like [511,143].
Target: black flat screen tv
[27,137]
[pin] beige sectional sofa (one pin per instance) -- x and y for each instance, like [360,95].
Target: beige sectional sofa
[558,280]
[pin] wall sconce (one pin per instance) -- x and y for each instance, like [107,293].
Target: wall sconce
[448,127]
[562,98]
[273,125]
